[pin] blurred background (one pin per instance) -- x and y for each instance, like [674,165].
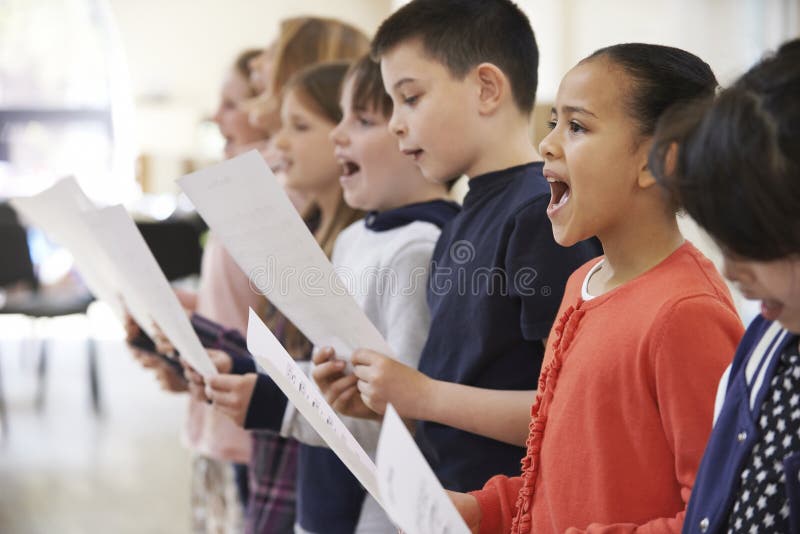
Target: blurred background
[121,94]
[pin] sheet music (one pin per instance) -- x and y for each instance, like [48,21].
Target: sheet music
[243,203]
[56,211]
[140,275]
[308,400]
[411,493]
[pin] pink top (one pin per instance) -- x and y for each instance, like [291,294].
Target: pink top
[224,296]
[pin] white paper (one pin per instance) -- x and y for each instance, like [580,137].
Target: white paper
[308,400]
[411,494]
[141,277]
[245,206]
[57,212]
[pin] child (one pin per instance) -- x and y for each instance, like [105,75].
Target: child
[462,104]
[625,396]
[309,113]
[220,449]
[737,172]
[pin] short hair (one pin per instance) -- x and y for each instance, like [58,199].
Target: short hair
[461,34]
[662,76]
[736,164]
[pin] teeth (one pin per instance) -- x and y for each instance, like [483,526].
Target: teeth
[564,199]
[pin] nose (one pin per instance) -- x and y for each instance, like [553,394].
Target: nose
[217,118]
[548,148]
[338,135]
[397,125]
[280,141]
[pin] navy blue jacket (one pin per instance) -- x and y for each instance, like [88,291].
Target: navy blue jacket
[736,432]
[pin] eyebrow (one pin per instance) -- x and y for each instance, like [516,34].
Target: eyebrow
[402,82]
[574,109]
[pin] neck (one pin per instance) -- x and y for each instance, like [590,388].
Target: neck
[509,147]
[633,249]
[423,191]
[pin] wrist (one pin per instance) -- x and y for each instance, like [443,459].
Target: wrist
[425,405]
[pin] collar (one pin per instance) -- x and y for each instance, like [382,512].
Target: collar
[437,212]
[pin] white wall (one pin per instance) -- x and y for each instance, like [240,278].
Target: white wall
[177,52]
[729,34]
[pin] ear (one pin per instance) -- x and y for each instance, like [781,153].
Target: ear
[492,87]
[645,178]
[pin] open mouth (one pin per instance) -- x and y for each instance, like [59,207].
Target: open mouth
[559,193]
[349,168]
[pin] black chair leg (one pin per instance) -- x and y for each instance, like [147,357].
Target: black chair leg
[94,379]
[41,374]
[3,412]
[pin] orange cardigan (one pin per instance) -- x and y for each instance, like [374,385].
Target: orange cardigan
[624,405]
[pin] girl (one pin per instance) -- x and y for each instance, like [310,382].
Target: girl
[625,396]
[221,450]
[273,462]
[309,113]
[736,170]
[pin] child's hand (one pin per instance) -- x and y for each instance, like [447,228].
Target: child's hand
[467,506]
[132,329]
[231,394]
[170,379]
[195,381]
[382,380]
[163,344]
[221,360]
[339,388]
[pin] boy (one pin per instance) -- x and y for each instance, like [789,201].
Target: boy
[462,104]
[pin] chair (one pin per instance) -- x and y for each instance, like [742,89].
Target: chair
[175,243]
[23,295]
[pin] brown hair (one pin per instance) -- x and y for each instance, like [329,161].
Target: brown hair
[318,88]
[242,66]
[368,90]
[303,42]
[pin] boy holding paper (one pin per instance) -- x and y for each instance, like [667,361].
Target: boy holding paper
[462,104]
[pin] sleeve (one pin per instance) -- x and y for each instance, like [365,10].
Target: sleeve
[685,368]
[404,315]
[267,406]
[214,336]
[498,503]
[538,268]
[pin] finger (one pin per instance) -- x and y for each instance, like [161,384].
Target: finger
[339,386]
[328,371]
[364,372]
[222,383]
[323,355]
[345,400]
[364,357]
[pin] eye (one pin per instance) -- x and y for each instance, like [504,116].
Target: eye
[410,100]
[551,124]
[575,127]
[365,121]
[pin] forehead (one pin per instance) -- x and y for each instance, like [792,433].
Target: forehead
[409,61]
[596,85]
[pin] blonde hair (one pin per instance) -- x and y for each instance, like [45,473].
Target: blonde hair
[303,42]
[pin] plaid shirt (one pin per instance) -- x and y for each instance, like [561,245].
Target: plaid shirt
[273,465]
